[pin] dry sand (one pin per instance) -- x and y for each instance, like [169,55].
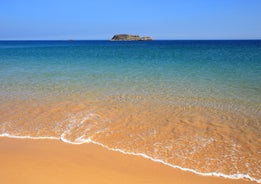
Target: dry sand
[51,161]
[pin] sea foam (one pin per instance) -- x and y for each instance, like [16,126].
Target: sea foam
[82,140]
[26,136]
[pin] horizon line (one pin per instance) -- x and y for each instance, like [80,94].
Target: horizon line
[232,39]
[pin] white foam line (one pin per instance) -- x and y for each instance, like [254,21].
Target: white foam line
[26,137]
[77,141]
[80,140]
[233,176]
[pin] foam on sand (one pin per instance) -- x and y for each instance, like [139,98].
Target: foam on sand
[82,140]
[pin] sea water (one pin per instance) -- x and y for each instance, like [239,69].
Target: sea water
[193,105]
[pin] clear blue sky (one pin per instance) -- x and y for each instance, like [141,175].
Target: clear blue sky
[100,19]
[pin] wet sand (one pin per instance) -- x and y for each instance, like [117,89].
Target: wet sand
[51,161]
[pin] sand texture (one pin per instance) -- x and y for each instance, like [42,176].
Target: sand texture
[51,161]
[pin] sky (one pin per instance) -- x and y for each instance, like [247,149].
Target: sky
[101,19]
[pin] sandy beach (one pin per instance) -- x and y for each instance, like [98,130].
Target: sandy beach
[51,161]
[130,92]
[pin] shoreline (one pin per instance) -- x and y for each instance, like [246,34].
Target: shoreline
[54,161]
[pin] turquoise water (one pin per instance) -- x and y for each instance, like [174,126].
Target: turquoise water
[221,76]
[213,69]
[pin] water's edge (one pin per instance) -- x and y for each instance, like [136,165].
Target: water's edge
[80,140]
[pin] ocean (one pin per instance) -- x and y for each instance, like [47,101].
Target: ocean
[192,105]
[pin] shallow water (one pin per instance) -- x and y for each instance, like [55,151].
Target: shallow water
[191,104]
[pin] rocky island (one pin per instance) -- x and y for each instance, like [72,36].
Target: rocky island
[129,37]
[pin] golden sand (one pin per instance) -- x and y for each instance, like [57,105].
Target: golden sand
[51,161]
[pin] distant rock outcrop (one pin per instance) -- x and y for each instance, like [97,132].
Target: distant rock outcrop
[129,37]
[146,38]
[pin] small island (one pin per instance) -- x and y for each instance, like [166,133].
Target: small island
[129,37]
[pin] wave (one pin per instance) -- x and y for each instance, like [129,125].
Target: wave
[82,140]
